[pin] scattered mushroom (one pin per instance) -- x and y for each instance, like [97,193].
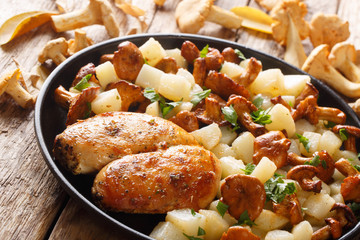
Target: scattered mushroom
[191,15]
[328,29]
[273,145]
[238,232]
[187,120]
[308,90]
[208,111]
[356,106]
[290,208]
[267,4]
[352,133]
[252,70]
[128,8]
[318,65]
[230,55]
[350,188]
[243,192]
[97,12]
[189,51]
[167,65]
[199,71]
[304,174]
[85,70]
[56,50]
[79,42]
[213,59]
[345,167]
[159,2]
[9,83]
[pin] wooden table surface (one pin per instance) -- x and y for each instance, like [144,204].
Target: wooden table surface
[33,205]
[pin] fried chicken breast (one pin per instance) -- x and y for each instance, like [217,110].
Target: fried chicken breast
[157,182]
[88,145]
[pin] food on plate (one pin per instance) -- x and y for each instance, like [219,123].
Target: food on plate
[289,167]
[157,182]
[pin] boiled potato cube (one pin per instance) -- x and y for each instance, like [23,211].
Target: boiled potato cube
[167,230]
[294,84]
[174,87]
[194,90]
[289,99]
[268,220]
[279,235]
[176,54]
[302,231]
[258,232]
[264,170]
[294,146]
[152,51]
[230,166]
[270,81]
[243,146]
[281,120]
[153,109]
[106,102]
[314,140]
[185,221]
[231,69]
[266,100]
[215,225]
[149,77]
[228,136]
[187,75]
[330,142]
[106,74]
[319,205]
[324,187]
[338,198]
[223,150]
[302,125]
[338,176]
[351,156]
[227,217]
[208,136]
[335,187]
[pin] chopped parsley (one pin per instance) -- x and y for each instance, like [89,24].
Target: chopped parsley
[88,112]
[201,232]
[231,116]
[165,107]
[222,208]
[204,51]
[304,141]
[258,102]
[191,237]
[151,94]
[146,61]
[355,207]
[240,54]
[261,116]
[200,96]
[193,212]
[83,83]
[249,168]
[276,189]
[329,124]
[344,135]
[316,161]
[245,219]
[291,104]
[357,167]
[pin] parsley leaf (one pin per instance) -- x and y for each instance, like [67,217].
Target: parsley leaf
[245,219]
[193,212]
[355,207]
[191,237]
[240,54]
[222,208]
[83,83]
[204,51]
[357,167]
[329,124]
[88,112]
[291,104]
[258,102]
[314,162]
[261,116]
[200,96]
[151,94]
[165,107]
[276,189]
[146,61]
[343,134]
[231,116]
[305,142]
[201,232]
[249,168]
[323,164]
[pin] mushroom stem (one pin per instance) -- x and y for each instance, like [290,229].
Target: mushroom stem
[224,18]
[63,97]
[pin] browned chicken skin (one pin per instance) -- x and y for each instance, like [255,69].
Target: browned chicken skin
[157,182]
[87,146]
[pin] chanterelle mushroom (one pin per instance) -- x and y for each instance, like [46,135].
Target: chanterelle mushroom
[352,133]
[328,29]
[318,65]
[239,232]
[79,42]
[343,58]
[56,50]
[304,174]
[97,12]
[191,15]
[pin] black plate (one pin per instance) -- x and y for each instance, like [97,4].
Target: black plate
[50,119]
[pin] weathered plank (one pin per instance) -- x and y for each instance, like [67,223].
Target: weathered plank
[349,11]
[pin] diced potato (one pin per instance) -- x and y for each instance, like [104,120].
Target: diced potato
[314,140]
[335,187]
[208,136]
[176,54]
[351,156]
[319,205]
[294,146]
[303,196]
[266,100]
[167,230]
[187,75]
[314,221]
[302,125]
[153,109]
[230,166]
[228,136]
[194,90]
[270,81]
[258,232]
[302,231]
[338,198]
[244,63]
[264,170]
[106,102]
[279,235]
[106,74]
[149,77]
[185,221]
[215,225]
[338,176]
[281,120]
[152,51]
[324,187]
[174,87]
[294,84]
[184,106]
[330,142]
[243,146]
[289,99]
[231,69]
[227,217]
[268,220]
[223,150]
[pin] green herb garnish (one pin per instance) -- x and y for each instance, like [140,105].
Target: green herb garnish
[193,212]
[245,219]
[222,208]
[314,162]
[249,168]
[204,51]
[191,237]
[258,102]
[146,61]
[357,167]
[200,96]
[304,141]
[261,116]
[88,112]
[276,189]
[355,207]
[165,107]
[151,94]
[83,83]
[231,116]
[201,232]
[240,54]
[344,135]
[329,124]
